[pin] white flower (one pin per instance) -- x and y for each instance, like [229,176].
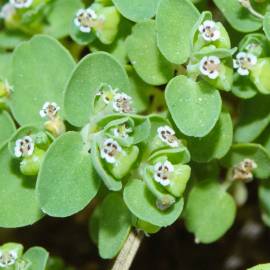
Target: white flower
[121,131]
[8,258]
[49,110]
[110,150]
[24,147]
[209,31]
[167,135]
[7,11]
[122,103]
[244,62]
[209,66]
[84,19]
[21,3]
[162,172]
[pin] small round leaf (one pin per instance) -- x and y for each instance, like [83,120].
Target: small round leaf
[174,23]
[66,181]
[216,144]
[142,204]
[209,211]
[195,107]
[137,10]
[90,73]
[19,206]
[145,57]
[114,226]
[41,68]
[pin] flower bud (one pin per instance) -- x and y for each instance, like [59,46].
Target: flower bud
[30,164]
[56,126]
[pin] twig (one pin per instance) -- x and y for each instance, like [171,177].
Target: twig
[128,252]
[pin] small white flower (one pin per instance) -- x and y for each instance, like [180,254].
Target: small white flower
[162,172]
[110,150]
[21,3]
[244,62]
[8,258]
[167,135]
[7,11]
[209,66]
[84,19]
[121,131]
[24,147]
[122,103]
[49,110]
[209,31]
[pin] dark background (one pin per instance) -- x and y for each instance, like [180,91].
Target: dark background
[245,245]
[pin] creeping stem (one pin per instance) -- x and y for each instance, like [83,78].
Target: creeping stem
[128,252]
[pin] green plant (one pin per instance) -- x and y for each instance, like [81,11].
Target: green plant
[144,125]
[13,257]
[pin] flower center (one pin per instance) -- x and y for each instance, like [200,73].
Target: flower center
[122,103]
[7,258]
[209,31]
[85,19]
[210,66]
[245,62]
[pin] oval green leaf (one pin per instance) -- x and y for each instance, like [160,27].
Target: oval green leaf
[238,16]
[216,144]
[142,204]
[38,257]
[22,209]
[59,17]
[137,10]
[40,70]
[209,211]
[253,122]
[195,107]
[90,73]
[174,23]
[145,57]
[66,181]
[114,227]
